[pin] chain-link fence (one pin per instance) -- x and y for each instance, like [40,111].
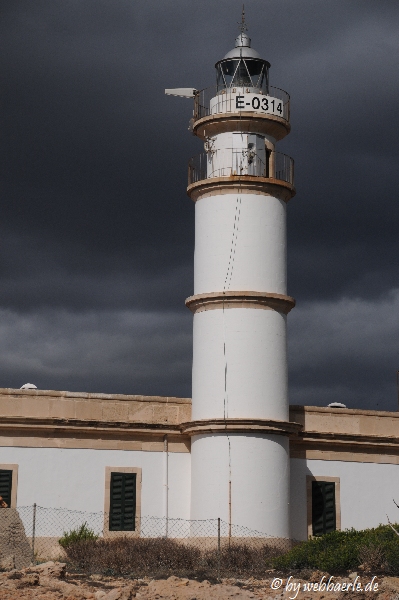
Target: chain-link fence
[153,547]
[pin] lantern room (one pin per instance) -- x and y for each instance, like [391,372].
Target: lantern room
[243,67]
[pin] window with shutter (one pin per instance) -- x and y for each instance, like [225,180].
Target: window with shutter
[6,485]
[323,507]
[122,512]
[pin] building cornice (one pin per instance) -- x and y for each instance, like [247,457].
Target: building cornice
[346,434]
[307,409]
[59,426]
[310,439]
[16,392]
[48,418]
[31,432]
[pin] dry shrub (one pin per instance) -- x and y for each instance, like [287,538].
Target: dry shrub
[243,560]
[159,557]
[138,556]
[372,557]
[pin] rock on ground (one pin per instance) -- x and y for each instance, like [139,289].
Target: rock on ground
[50,581]
[15,551]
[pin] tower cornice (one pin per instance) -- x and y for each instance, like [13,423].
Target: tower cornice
[266,124]
[270,426]
[241,184]
[240,299]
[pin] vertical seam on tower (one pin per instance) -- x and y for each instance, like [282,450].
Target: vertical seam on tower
[230,266]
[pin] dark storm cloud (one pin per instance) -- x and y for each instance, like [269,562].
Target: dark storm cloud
[98,351]
[95,220]
[73,277]
[346,351]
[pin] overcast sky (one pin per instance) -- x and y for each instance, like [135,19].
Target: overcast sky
[96,230]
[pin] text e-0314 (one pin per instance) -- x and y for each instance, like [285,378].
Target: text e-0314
[259,103]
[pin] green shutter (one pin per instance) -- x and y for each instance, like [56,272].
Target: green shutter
[323,507]
[122,513]
[329,503]
[5,485]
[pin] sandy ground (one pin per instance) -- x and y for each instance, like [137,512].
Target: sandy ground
[51,582]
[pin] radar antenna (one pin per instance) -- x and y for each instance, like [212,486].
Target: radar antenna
[243,26]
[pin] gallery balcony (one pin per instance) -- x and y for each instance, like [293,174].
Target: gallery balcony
[241,109]
[241,170]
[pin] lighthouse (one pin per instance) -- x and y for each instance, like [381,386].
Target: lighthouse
[240,186]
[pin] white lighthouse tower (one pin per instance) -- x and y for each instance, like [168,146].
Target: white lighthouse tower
[241,187]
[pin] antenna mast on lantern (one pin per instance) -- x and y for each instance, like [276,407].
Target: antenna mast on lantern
[243,26]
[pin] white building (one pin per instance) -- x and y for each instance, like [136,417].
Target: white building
[58,449]
[237,451]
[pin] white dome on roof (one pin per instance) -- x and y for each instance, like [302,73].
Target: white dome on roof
[336,405]
[242,48]
[28,386]
[243,51]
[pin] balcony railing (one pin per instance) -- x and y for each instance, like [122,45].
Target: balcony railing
[236,163]
[209,101]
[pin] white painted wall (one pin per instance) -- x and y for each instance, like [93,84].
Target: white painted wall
[251,343]
[179,485]
[259,475]
[75,478]
[237,153]
[238,139]
[240,244]
[367,492]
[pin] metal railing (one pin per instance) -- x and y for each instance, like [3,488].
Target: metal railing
[206,165]
[225,101]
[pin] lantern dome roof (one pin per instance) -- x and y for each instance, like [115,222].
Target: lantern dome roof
[242,48]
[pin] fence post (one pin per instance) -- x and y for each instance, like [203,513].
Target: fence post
[33,533]
[229,511]
[219,548]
